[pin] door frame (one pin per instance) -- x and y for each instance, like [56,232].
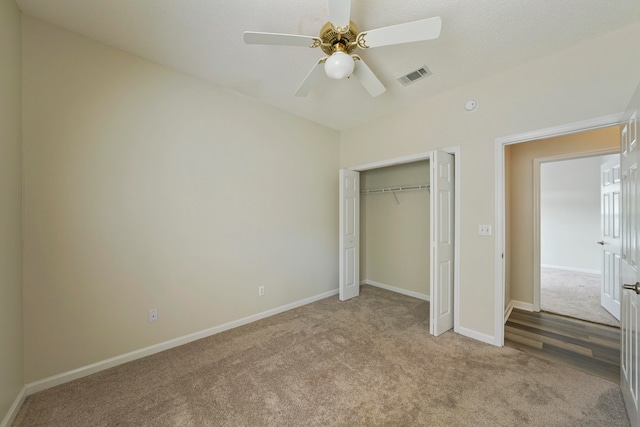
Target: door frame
[501,313]
[426,155]
[537,162]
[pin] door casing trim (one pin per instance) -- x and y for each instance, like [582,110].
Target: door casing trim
[426,155]
[499,146]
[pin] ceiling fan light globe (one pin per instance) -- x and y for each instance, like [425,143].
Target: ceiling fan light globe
[339,65]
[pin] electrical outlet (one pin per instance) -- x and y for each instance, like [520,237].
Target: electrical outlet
[484,230]
[153,315]
[260,290]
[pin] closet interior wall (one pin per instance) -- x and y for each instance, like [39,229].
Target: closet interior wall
[394,227]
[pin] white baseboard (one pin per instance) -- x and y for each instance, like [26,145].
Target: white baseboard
[521,305]
[508,311]
[13,411]
[84,371]
[414,294]
[578,270]
[489,339]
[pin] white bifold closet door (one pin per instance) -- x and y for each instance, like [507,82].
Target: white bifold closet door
[441,280]
[442,242]
[349,286]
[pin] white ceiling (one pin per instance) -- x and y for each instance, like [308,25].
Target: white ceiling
[204,38]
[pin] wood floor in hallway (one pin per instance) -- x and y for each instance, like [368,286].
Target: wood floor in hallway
[589,347]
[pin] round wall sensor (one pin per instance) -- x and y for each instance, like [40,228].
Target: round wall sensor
[471,105]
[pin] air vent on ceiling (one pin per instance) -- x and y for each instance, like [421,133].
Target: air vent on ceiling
[414,76]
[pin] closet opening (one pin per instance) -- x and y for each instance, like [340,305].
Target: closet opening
[394,228]
[398,231]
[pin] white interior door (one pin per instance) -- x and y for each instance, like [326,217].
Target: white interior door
[442,243]
[611,242]
[630,310]
[349,234]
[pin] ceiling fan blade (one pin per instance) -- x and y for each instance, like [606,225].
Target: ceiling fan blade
[425,29]
[366,77]
[251,37]
[340,13]
[312,78]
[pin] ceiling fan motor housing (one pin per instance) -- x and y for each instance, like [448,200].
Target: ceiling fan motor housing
[331,36]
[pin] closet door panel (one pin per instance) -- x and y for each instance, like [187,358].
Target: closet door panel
[349,286]
[442,249]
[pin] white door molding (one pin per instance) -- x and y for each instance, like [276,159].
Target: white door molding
[500,144]
[426,155]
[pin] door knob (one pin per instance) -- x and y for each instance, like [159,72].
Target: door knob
[632,287]
[601,242]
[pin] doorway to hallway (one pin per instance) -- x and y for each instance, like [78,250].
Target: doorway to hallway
[572,223]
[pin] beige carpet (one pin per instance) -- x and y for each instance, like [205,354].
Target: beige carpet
[367,361]
[573,294]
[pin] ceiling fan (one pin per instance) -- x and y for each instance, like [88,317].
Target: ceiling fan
[340,37]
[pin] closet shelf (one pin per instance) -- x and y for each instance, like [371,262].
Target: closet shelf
[397,189]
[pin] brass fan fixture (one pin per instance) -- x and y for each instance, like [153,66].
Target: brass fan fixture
[340,37]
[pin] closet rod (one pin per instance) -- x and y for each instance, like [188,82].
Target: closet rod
[397,189]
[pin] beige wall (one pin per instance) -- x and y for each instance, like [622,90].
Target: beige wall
[549,92]
[520,197]
[11,355]
[394,244]
[147,188]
